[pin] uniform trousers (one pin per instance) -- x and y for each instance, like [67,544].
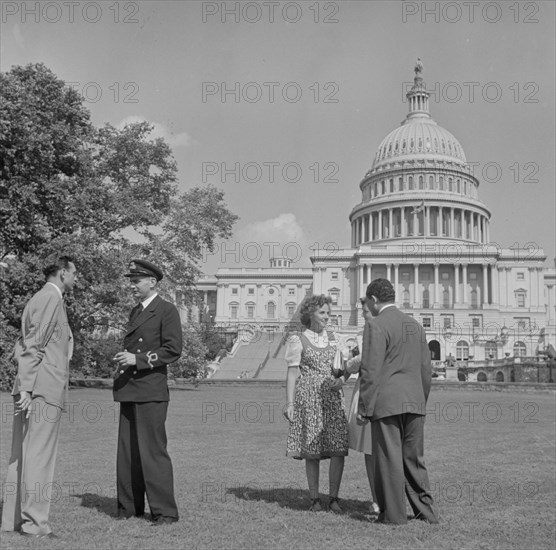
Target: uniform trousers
[29,488]
[143,464]
[399,468]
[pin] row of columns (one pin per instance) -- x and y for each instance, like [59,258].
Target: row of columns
[489,293]
[380,225]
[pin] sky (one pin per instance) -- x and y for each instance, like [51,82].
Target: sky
[284,104]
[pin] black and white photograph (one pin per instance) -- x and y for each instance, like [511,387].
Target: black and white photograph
[235,233]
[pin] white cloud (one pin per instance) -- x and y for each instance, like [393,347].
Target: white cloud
[160,131]
[279,236]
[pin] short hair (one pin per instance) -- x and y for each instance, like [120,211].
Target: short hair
[62,262]
[311,304]
[382,289]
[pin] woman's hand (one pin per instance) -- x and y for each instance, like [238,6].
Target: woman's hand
[289,412]
[337,384]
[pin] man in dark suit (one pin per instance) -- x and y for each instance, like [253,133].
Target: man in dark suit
[395,383]
[43,353]
[153,340]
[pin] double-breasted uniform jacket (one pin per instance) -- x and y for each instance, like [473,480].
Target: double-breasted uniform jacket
[44,349]
[155,338]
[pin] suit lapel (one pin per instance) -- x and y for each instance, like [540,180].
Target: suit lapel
[146,314]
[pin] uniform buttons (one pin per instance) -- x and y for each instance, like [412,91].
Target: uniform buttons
[134,372]
[121,372]
[140,339]
[138,351]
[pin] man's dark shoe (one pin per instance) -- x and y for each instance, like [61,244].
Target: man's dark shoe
[164,520]
[38,536]
[428,519]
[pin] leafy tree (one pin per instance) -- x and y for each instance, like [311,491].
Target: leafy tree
[68,187]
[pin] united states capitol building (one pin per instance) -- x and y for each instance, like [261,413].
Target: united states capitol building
[422,225]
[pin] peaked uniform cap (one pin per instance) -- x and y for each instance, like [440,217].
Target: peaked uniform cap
[143,268]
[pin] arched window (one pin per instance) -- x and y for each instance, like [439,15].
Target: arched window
[410,180]
[426,295]
[383,187]
[233,310]
[491,350]
[462,350]
[474,301]
[431,182]
[445,298]
[392,185]
[520,350]
[400,183]
[499,376]
[441,183]
[481,377]
[421,182]
[271,310]
[458,186]
[406,298]
[450,184]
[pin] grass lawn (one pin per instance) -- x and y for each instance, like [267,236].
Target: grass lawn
[490,456]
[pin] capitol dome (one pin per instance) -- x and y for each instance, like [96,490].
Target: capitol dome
[420,184]
[419,137]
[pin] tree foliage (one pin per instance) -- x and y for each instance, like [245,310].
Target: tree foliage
[69,187]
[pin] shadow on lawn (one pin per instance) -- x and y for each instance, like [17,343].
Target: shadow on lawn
[106,505]
[296,498]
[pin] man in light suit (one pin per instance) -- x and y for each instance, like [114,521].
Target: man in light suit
[42,352]
[153,341]
[396,377]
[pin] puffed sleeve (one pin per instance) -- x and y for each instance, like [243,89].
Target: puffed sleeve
[294,347]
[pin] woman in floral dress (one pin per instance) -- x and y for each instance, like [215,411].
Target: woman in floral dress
[315,400]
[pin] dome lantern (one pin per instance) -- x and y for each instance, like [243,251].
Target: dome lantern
[418,97]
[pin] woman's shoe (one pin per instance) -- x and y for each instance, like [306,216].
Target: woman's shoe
[334,505]
[374,509]
[315,505]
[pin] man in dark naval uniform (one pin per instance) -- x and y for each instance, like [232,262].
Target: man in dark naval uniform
[153,340]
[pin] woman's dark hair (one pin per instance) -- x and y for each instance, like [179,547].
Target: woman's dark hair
[310,305]
[382,289]
[62,262]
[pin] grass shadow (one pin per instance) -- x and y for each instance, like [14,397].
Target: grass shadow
[106,505]
[295,498]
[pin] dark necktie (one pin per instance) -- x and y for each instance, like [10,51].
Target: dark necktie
[137,311]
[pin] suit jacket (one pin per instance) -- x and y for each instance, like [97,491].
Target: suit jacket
[396,366]
[155,338]
[44,349]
